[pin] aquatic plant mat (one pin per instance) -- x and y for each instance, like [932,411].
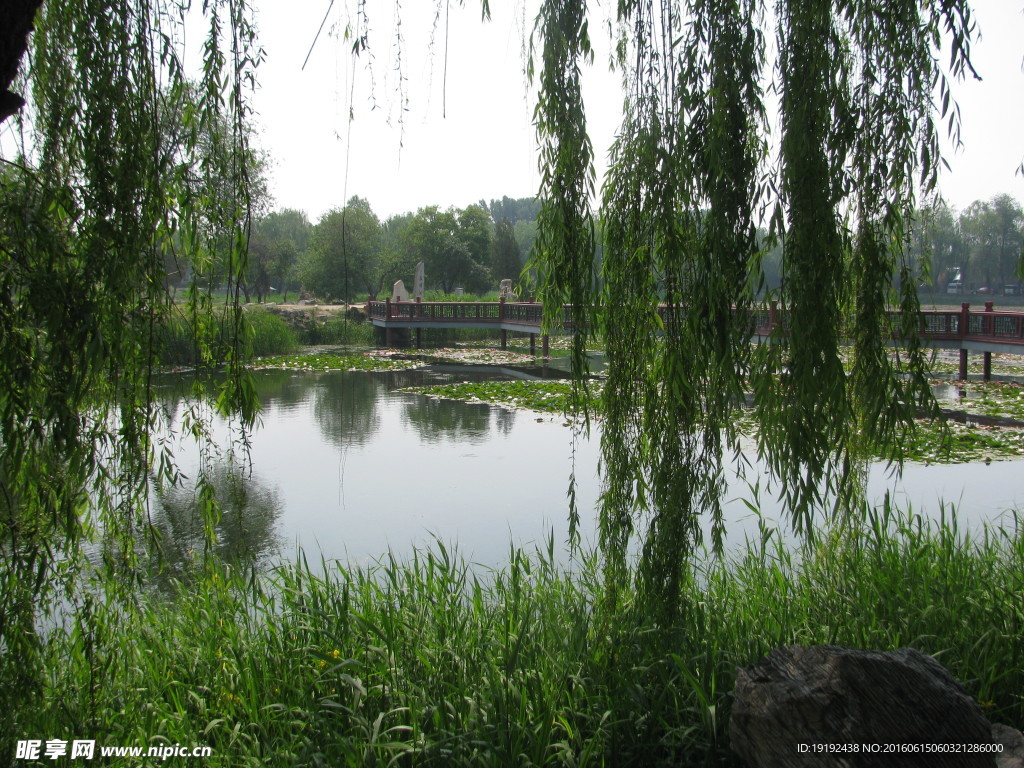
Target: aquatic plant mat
[539,396]
[434,661]
[332,361]
[392,359]
[970,441]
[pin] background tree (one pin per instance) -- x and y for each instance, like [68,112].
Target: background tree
[277,241]
[261,259]
[515,210]
[993,233]
[507,263]
[476,233]
[771,259]
[344,252]
[937,245]
[398,262]
[454,246]
[525,232]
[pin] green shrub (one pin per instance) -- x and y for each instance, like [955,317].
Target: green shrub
[176,342]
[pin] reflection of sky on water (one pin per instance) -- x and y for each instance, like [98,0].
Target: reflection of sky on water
[455,470]
[356,467]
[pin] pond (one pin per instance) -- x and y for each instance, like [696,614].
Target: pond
[345,465]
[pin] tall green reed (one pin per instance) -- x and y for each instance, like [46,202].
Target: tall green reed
[431,660]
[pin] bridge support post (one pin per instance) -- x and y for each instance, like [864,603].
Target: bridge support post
[988,330]
[965,322]
[533,345]
[389,340]
[544,345]
[419,338]
[504,338]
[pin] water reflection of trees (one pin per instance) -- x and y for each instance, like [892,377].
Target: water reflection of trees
[345,407]
[282,389]
[245,534]
[275,388]
[504,418]
[412,377]
[438,421]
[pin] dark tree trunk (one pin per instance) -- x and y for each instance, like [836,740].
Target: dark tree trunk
[16,18]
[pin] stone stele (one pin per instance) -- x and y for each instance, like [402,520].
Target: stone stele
[418,282]
[398,292]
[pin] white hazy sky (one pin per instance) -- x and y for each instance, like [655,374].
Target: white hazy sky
[468,135]
[457,127]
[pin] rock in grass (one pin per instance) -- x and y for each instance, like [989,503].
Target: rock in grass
[1012,743]
[838,707]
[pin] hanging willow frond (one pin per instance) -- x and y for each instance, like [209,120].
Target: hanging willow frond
[681,265]
[564,250]
[679,246]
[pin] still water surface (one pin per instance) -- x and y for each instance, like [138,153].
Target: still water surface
[345,465]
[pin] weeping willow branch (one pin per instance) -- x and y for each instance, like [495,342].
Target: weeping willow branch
[565,245]
[132,166]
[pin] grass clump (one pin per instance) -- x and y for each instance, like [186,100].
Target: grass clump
[339,330]
[271,335]
[181,340]
[432,661]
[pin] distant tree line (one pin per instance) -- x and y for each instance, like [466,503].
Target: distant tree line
[980,247]
[349,252]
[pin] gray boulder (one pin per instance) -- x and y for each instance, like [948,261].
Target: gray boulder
[843,708]
[1012,743]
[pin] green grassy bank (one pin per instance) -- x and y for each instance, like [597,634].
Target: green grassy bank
[433,662]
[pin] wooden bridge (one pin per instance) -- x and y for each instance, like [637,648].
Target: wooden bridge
[961,329]
[504,316]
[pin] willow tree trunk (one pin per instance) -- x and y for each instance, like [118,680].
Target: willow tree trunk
[16,18]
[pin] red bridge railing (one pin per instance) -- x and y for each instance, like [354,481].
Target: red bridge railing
[951,325]
[959,328]
[484,312]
